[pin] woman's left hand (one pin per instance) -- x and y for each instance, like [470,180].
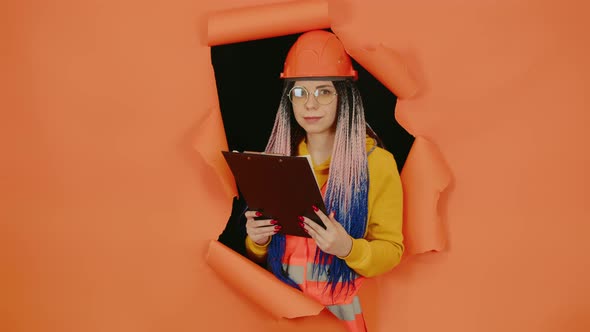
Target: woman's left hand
[333,240]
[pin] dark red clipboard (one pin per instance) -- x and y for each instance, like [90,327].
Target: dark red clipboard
[281,187]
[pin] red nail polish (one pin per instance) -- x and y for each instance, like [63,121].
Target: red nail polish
[300,218]
[305,230]
[315,208]
[301,224]
[273,222]
[278,228]
[258,214]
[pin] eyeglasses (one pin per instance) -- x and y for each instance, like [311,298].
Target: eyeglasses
[324,95]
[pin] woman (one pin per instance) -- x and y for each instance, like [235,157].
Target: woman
[321,115]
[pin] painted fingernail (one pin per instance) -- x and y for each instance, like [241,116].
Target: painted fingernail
[315,208]
[278,228]
[258,214]
[305,230]
[273,222]
[301,224]
[300,218]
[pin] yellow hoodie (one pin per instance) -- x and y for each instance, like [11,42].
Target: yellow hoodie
[382,246]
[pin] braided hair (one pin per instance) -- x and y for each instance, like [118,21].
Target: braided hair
[348,180]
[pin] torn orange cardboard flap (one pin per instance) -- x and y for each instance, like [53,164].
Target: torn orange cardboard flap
[424,177]
[208,141]
[259,285]
[388,67]
[265,21]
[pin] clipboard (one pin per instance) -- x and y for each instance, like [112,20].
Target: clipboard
[280,187]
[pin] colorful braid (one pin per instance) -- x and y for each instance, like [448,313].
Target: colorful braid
[348,180]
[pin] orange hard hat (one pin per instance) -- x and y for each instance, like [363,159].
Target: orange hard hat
[318,54]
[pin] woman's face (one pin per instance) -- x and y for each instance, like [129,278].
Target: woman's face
[315,106]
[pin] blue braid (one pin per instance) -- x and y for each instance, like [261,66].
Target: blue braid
[354,221]
[351,214]
[276,250]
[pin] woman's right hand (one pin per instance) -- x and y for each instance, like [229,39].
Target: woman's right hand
[261,230]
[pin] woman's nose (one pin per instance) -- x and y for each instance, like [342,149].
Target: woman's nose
[311,103]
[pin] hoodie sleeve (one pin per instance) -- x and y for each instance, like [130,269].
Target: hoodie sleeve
[255,251]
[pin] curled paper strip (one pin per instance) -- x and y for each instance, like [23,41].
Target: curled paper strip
[388,67]
[424,176]
[265,21]
[258,285]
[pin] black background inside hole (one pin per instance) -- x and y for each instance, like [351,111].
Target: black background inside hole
[249,91]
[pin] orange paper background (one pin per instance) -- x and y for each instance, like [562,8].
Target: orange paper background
[109,202]
[267,20]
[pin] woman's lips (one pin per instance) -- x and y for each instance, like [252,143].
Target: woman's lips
[312,119]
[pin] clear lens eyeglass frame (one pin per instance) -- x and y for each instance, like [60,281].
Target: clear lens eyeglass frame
[323,95]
